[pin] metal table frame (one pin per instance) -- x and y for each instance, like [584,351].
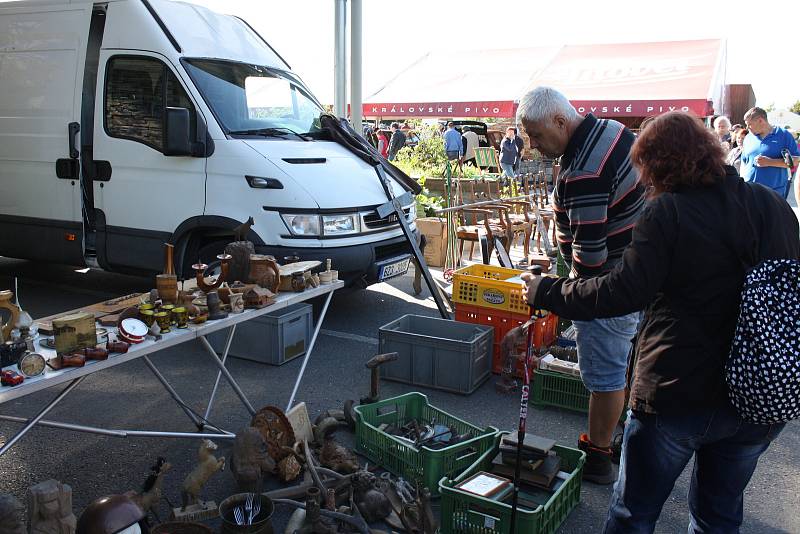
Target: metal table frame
[74,376]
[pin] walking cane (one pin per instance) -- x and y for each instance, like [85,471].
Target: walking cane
[523,408]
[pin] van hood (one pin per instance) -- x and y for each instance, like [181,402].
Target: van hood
[330,173]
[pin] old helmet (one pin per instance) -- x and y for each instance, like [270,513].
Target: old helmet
[110,515]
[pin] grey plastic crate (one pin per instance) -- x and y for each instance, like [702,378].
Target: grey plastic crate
[273,338]
[437,353]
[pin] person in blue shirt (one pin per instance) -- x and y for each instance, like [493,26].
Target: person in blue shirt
[509,153]
[763,160]
[453,145]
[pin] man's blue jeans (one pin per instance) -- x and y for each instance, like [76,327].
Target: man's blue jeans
[655,450]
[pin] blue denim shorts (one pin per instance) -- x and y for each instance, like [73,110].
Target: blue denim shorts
[603,349]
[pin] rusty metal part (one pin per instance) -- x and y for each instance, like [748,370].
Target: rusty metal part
[276,430]
[289,468]
[357,522]
[427,519]
[373,364]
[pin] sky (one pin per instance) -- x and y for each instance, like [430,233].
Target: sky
[398,32]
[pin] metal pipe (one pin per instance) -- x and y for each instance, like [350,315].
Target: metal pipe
[228,341]
[310,348]
[227,375]
[31,422]
[118,433]
[340,59]
[171,390]
[356,60]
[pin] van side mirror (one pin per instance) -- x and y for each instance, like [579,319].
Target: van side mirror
[177,131]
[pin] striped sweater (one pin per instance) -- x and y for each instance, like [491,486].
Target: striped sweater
[597,197]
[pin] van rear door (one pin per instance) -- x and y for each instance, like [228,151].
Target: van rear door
[42,55]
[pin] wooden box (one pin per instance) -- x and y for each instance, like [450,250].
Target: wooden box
[74,332]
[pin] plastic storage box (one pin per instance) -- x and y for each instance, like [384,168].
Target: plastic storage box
[464,512]
[437,353]
[424,465]
[544,333]
[273,338]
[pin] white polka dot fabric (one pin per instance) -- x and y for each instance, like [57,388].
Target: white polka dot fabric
[763,369]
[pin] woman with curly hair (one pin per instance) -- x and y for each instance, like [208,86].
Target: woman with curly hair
[684,268]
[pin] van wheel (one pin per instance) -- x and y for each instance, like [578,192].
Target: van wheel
[207,253]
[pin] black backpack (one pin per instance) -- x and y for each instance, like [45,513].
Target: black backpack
[763,368]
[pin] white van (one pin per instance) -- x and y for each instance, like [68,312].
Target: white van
[125,124]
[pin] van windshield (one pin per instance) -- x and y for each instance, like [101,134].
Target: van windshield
[254,100]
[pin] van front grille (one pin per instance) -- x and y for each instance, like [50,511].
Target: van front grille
[373,221]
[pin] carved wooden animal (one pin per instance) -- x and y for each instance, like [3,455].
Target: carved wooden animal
[150,496]
[240,232]
[206,466]
[250,460]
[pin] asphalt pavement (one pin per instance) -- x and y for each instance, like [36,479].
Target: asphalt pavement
[129,397]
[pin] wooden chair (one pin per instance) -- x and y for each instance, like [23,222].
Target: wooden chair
[487,157]
[535,186]
[467,230]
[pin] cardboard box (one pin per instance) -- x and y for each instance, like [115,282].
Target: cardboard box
[435,231]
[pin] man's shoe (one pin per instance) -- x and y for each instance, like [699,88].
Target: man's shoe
[598,468]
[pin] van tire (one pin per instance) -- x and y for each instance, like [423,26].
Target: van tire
[205,250]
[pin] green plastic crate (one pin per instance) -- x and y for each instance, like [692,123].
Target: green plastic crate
[557,389]
[467,513]
[424,465]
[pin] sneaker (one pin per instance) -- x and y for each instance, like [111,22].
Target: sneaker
[598,468]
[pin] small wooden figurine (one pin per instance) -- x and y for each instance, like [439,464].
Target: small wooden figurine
[207,465]
[250,461]
[150,496]
[50,508]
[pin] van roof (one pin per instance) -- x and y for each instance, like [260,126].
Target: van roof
[198,31]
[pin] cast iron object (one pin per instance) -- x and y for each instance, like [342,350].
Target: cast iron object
[372,365]
[213,302]
[241,232]
[276,430]
[10,352]
[108,515]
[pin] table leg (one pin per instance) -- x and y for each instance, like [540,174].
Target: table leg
[196,420]
[31,422]
[227,375]
[228,341]
[310,348]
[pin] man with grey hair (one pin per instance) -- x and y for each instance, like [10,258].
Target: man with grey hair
[722,125]
[597,200]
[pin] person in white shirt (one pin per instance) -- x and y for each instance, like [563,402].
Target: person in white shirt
[472,143]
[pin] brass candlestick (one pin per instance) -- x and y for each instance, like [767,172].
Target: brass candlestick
[200,271]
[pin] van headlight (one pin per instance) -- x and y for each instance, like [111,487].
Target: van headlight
[304,225]
[349,223]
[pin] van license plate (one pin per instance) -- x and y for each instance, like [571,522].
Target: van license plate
[390,270]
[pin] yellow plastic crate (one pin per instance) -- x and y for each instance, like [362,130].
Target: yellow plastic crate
[486,286]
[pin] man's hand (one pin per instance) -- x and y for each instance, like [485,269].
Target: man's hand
[531,286]
[764,161]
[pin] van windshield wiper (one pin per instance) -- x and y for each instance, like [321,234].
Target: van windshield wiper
[269,132]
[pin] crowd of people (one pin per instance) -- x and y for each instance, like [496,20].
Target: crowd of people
[759,151]
[658,231]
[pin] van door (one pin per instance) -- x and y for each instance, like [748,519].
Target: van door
[42,54]
[148,195]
